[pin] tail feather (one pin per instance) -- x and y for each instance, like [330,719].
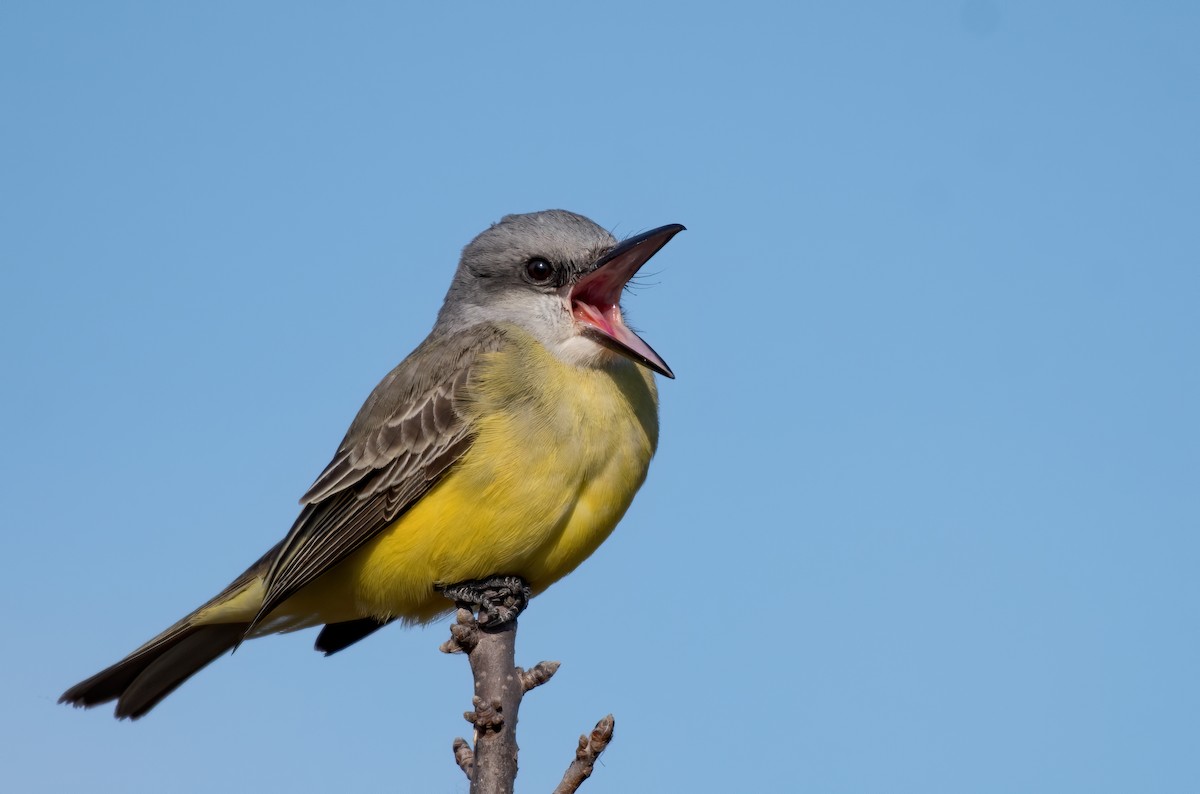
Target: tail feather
[146,676]
[339,636]
[139,681]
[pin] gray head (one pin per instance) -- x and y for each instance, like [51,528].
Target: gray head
[559,276]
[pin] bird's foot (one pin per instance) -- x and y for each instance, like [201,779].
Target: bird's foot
[497,601]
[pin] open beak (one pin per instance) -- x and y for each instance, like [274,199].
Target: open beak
[596,298]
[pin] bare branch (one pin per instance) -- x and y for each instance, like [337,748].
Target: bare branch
[497,698]
[586,754]
[492,763]
[485,629]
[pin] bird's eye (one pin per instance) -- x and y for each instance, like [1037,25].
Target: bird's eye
[539,270]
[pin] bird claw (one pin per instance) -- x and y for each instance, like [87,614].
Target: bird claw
[497,601]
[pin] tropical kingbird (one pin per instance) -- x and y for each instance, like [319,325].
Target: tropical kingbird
[510,442]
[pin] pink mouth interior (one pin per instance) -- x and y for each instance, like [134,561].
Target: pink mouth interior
[603,315]
[595,302]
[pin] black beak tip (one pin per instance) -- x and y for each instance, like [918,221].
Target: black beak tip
[633,246]
[664,370]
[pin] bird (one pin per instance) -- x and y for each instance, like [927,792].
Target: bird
[509,443]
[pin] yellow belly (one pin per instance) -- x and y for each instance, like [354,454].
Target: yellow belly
[559,453]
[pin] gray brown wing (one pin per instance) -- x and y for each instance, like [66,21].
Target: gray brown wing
[407,435]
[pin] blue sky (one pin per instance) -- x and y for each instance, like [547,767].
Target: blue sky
[925,515]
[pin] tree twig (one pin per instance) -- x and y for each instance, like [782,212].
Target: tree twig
[497,699]
[464,633]
[589,749]
[489,641]
[498,690]
[537,675]
[464,756]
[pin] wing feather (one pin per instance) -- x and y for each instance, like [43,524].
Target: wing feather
[408,434]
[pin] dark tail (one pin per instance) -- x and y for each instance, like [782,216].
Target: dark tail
[146,676]
[339,636]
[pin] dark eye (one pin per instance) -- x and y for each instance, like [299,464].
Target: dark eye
[539,270]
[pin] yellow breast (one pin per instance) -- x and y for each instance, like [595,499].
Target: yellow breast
[559,453]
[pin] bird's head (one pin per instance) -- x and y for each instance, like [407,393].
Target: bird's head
[559,276]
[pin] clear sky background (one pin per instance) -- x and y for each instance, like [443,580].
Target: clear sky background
[925,516]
